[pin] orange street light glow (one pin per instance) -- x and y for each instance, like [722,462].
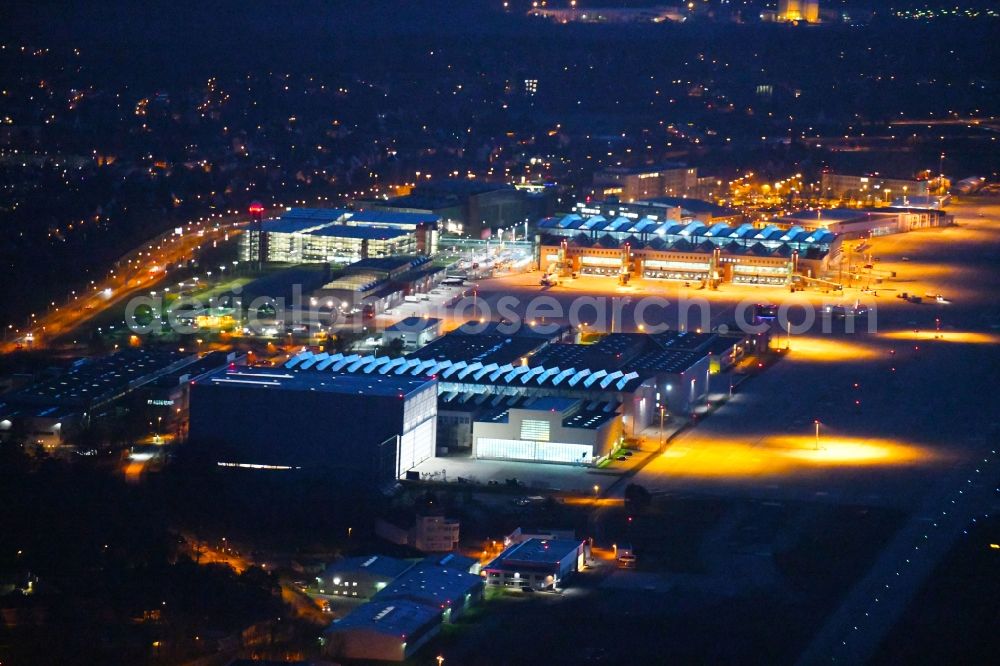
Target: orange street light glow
[963,337]
[787,456]
[826,350]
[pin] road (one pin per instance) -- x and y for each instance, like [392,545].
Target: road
[139,269]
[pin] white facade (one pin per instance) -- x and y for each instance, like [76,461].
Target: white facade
[417,442]
[538,435]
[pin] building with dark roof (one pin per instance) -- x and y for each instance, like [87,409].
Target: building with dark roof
[55,405]
[578,400]
[414,332]
[378,284]
[483,349]
[361,577]
[365,428]
[383,629]
[851,223]
[463,205]
[536,563]
[412,600]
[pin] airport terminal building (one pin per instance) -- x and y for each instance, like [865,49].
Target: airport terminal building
[690,252]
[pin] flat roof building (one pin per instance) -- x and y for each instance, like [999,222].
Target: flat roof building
[412,600]
[527,398]
[361,577]
[51,407]
[463,205]
[414,332]
[378,284]
[536,563]
[383,629]
[550,429]
[357,427]
[449,589]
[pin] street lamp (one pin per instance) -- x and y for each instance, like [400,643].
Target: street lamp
[816,422]
[663,411]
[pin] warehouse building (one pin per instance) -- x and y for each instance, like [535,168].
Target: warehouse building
[366,428]
[407,610]
[361,577]
[447,588]
[525,397]
[383,629]
[375,285]
[414,332]
[49,409]
[540,564]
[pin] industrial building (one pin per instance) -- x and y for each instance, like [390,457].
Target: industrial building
[407,610]
[338,236]
[48,409]
[366,428]
[547,429]
[540,564]
[633,184]
[448,588]
[375,285]
[414,332]
[383,629]
[525,396]
[361,577]
[695,252]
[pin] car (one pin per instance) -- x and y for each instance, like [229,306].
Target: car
[627,453]
[621,458]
